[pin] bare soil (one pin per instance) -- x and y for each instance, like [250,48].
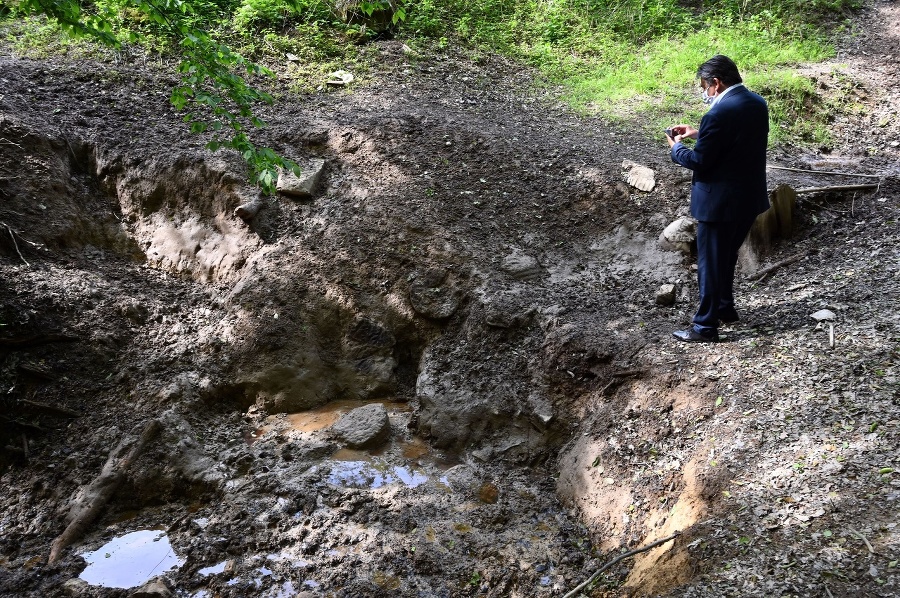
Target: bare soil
[473,259]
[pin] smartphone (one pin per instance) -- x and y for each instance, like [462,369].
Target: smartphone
[670,133]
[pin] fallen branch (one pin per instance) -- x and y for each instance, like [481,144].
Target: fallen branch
[609,385]
[865,187]
[597,573]
[766,271]
[868,176]
[92,499]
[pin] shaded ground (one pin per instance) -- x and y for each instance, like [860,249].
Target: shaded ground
[546,422]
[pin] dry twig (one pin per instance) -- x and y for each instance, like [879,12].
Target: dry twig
[12,235]
[759,274]
[863,538]
[625,555]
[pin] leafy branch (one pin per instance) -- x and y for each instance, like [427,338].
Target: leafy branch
[213,85]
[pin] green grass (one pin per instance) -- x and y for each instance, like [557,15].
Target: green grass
[636,59]
[624,59]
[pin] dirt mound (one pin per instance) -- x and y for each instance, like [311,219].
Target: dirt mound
[471,258]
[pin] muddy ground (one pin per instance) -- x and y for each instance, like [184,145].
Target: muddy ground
[472,259]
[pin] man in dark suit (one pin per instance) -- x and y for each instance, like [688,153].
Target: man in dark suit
[728,190]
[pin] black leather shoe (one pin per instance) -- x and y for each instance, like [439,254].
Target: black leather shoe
[692,336]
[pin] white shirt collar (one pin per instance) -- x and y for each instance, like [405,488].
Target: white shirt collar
[725,93]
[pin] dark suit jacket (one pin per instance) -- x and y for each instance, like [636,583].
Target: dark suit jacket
[729,159]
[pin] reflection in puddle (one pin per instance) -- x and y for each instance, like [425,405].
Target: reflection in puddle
[373,474]
[214,570]
[130,560]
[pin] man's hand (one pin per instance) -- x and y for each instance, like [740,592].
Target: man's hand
[680,132]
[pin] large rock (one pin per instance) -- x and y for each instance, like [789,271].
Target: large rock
[304,185]
[364,427]
[639,176]
[434,295]
[680,235]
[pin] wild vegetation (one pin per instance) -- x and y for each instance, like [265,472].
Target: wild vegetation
[622,58]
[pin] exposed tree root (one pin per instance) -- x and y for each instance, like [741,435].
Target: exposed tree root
[91,500]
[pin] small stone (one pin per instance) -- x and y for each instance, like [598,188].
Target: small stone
[76,587]
[248,210]
[304,185]
[895,143]
[155,588]
[488,493]
[340,78]
[665,295]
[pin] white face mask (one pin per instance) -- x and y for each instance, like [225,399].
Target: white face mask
[707,99]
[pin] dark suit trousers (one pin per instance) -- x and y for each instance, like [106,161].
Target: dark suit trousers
[717,253]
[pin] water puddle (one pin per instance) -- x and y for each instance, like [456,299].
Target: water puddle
[354,469]
[130,560]
[213,570]
[318,419]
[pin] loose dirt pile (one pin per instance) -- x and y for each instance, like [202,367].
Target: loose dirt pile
[473,260]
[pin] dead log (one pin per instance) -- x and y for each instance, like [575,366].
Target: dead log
[766,271]
[91,500]
[864,187]
[775,223]
[829,172]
